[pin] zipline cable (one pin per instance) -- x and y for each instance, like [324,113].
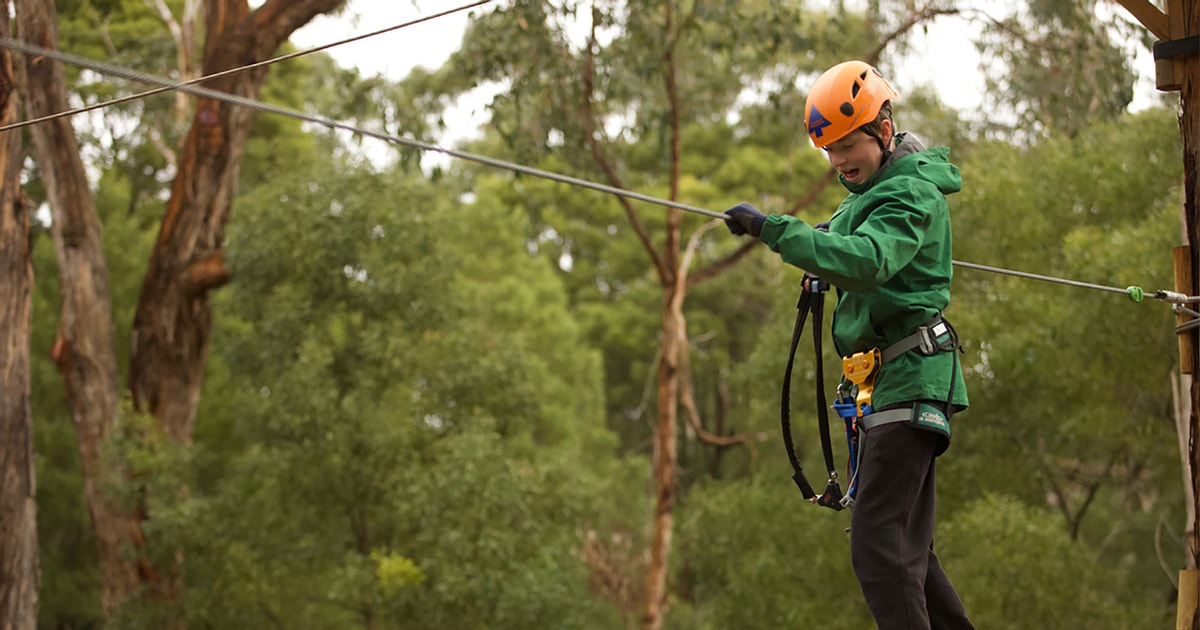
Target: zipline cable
[134,75]
[1135,293]
[216,75]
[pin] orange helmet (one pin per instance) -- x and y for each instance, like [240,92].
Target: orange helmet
[844,98]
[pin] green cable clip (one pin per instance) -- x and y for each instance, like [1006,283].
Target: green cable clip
[1135,293]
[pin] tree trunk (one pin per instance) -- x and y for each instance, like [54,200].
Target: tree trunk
[674,344]
[171,329]
[19,569]
[173,321]
[83,351]
[665,455]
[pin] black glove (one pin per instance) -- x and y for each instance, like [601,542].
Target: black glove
[745,219]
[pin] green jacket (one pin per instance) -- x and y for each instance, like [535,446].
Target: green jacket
[888,252]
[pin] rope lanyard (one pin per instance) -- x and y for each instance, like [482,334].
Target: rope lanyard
[812,300]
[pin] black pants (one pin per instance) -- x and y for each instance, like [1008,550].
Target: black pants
[891,533]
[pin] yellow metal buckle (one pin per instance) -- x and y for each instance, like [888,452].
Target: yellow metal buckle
[860,368]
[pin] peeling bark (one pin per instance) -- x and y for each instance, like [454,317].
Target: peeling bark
[173,320]
[84,351]
[20,573]
[169,344]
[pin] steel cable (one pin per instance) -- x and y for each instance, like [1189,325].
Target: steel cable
[1135,293]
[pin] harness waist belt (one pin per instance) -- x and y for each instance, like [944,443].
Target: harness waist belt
[929,338]
[889,416]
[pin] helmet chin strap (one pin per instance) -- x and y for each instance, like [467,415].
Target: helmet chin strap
[886,149]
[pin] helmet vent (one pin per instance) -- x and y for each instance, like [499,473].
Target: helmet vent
[847,109]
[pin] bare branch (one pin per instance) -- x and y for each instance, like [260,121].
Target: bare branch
[183,53]
[717,267]
[686,393]
[168,153]
[813,192]
[928,12]
[590,128]
[1058,496]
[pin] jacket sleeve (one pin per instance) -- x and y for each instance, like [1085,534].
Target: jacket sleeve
[875,250]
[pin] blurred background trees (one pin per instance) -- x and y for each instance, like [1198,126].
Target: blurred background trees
[431,397]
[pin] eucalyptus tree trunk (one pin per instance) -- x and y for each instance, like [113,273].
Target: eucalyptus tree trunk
[171,329]
[84,350]
[673,346]
[173,320]
[19,568]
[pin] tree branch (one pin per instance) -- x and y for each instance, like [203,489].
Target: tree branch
[674,215]
[928,12]
[183,53]
[1056,491]
[206,274]
[592,132]
[686,393]
[718,266]
[275,21]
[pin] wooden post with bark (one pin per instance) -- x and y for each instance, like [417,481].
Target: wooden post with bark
[1177,68]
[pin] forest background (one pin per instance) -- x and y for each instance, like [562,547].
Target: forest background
[456,397]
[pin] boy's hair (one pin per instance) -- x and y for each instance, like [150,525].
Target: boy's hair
[873,128]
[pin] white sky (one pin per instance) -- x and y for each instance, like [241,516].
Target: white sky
[942,56]
[394,54]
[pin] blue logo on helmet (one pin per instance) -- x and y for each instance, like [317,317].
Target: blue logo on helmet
[817,123]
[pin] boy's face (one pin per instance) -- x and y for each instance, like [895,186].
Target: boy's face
[857,156]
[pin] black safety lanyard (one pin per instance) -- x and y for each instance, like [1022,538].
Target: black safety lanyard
[812,299]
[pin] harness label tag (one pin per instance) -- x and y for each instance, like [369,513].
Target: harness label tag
[930,417]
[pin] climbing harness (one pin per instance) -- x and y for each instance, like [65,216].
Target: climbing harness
[853,404]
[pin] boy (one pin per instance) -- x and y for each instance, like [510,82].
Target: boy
[888,251]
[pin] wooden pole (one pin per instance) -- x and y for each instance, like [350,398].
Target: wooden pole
[1182,258]
[1177,27]
[1183,19]
[1189,590]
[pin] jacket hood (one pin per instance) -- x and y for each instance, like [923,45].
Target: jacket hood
[911,158]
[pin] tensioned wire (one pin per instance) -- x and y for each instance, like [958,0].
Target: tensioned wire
[1135,293]
[191,88]
[179,86]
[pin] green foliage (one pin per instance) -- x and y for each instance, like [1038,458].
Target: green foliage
[411,421]
[1015,568]
[70,593]
[395,572]
[1025,58]
[757,554]
[1073,384]
[404,426]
